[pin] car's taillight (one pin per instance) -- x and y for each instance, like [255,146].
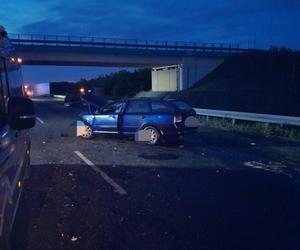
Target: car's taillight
[177,117]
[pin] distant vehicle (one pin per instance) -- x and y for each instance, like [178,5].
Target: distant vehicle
[73,96]
[27,91]
[126,117]
[38,89]
[16,117]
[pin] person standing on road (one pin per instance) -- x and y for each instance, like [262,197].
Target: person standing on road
[4,42]
[3,36]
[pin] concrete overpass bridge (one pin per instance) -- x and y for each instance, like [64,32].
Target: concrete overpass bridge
[175,65]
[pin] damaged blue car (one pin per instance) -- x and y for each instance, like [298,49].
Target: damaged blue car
[160,118]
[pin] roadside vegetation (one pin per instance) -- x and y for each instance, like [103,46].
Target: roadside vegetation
[118,84]
[266,130]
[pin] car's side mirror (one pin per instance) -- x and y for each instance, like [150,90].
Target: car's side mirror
[21,114]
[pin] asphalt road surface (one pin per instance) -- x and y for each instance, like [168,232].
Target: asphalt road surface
[222,190]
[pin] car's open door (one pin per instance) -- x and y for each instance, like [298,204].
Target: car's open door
[107,119]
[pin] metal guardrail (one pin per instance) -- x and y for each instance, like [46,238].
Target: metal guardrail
[53,40]
[254,117]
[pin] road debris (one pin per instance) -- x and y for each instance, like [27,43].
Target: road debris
[114,151]
[74,238]
[271,166]
[64,135]
[69,205]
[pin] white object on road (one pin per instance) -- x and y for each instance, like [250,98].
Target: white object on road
[142,135]
[191,122]
[80,128]
[109,180]
[40,120]
[74,238]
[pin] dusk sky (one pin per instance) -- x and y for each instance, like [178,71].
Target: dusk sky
[272,22]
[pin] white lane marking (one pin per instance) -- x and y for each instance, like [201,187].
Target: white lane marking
[109,180]
[40,120]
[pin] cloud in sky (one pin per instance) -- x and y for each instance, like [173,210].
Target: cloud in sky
[273,22]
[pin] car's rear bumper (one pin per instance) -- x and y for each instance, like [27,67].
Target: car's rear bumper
[178,131]
[172,134]
[172,131]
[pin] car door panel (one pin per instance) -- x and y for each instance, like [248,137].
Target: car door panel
[135,116]
[133,122]
[106,123]
[12,155]
[107,120]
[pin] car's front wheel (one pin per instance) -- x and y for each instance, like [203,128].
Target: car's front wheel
[88,133]
[154,135]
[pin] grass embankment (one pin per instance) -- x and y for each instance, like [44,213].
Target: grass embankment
[266,130]
[266,82]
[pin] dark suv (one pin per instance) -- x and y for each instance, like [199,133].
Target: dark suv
[16,117]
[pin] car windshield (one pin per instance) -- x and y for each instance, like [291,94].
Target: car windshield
[114,107]
[155,124]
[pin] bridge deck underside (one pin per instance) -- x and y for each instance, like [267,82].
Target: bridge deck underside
[109,57]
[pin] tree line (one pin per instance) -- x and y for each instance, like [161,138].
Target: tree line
[117,84]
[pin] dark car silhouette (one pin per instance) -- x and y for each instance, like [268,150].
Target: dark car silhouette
[16,117]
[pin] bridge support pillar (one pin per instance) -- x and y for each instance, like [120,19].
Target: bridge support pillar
[195,69]
[184,75]
[168,78]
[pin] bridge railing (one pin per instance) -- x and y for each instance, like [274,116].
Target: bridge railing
[53,40]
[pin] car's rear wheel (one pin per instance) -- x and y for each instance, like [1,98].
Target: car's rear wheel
[154,135]
[88,133]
